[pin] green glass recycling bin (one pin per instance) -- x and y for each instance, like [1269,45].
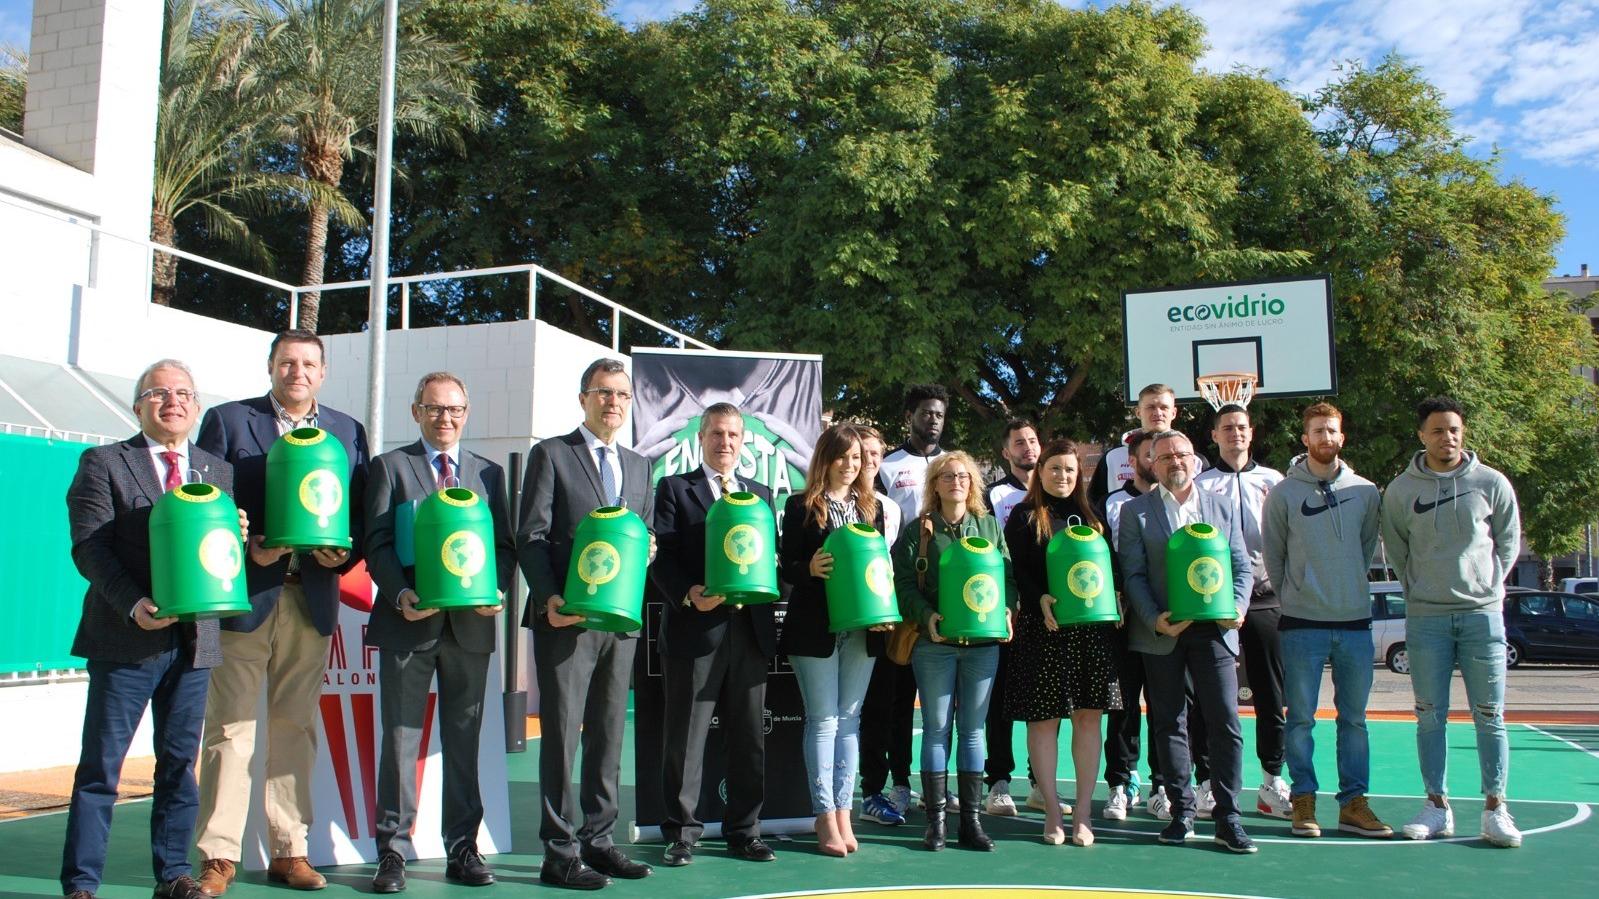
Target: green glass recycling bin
[307,501]
[1199,575]
[741,550]
[860,591]
[605,579]
[971,591]
[453,536]
[1077,561]
[196,557]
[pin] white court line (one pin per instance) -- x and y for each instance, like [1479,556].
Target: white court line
[1582,749]
[1067,796]
[1584,812]
[1052,887]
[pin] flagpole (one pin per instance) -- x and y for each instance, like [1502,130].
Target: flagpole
[378,303]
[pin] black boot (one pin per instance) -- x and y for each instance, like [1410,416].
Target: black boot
[971,830]
[934,785]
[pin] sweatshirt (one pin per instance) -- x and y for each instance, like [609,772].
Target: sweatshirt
[1451,536]
[1317,541]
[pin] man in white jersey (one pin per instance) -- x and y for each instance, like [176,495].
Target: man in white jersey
[905,469]
[1244,483]
[1156,411]
[1020,452]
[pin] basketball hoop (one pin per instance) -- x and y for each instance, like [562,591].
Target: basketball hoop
[1227,388]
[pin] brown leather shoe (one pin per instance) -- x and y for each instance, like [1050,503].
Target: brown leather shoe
[295,872]
[216,875]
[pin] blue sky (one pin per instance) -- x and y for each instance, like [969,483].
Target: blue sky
[1522,75]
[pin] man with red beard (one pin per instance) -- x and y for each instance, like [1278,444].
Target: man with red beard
[1320,528]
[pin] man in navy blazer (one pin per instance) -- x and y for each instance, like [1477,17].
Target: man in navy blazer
[1205,652]
[714,656]
[136,658]
[283,640]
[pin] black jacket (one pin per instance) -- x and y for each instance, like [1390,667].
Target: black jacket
[805,627]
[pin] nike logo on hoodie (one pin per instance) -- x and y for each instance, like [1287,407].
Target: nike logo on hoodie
[1422,508]
[1307,510]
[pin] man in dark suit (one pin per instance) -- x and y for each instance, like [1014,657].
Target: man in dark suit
[713,655]
[135,658]
[1205,652]
[416,644]
[284,638]
[582,674]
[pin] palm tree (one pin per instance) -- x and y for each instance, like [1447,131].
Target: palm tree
[215,123]
[324,59]
[13,85]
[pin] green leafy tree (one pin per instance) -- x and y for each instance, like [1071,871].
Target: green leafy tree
[13,86]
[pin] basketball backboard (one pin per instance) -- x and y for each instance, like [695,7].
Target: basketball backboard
[1278,330]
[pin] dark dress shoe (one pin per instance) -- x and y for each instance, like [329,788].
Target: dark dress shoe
[572,874]
[1231,834]
[184,887]
[610,860]
[466,867]
[1177,832]
[391,873]
[678,854]
[753,849]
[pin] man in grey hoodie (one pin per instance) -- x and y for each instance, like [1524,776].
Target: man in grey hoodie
[1452,531]
[1319,532]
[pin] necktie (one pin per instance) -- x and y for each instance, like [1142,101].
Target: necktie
[444,470]
[174,473]
[607,477]
[727,484]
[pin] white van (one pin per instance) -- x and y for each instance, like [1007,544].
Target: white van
[1579,585]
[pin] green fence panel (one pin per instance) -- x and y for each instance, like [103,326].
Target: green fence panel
[36,554]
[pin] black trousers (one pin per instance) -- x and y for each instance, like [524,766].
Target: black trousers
[886,721]
[999,730]
[1123,725]
[1263,660]
[1200,655]
[729,685]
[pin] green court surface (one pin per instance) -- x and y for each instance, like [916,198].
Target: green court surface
[1554,789]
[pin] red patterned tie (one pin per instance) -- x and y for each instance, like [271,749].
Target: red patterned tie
[444,470]
[174,473]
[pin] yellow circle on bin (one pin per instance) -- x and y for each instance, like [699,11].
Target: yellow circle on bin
[219,554]
[1085,580]
[742,545]
[981,593]
[878,578]
[1204,577]
[599,563]
[322,494]
[464,555]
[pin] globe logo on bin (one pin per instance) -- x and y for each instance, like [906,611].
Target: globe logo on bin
[878,580]
[981,595]
[1086,581]
[742,546]
[1204,577]
[219,556]
[463,555]
[599,564]
[322,494]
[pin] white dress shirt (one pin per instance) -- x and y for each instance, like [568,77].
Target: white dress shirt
[715,477]
[433,455]
[160,464]
[1181,515]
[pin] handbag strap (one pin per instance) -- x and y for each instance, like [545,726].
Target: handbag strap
[921,550]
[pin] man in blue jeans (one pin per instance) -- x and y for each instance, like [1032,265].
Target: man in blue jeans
[1319,533]
[1452,530]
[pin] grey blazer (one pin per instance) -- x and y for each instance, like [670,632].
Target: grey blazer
[561,488]
[1141,547]
[398,477]
[108,508]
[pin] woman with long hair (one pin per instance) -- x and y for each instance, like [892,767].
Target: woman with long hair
[1058,671]
[833,669]
[955,679]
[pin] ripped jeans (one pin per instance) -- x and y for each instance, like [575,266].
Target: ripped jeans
[1476,642]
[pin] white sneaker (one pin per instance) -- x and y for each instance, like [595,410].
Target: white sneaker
[1204,800]
[902,799]
[1498,827]
[999,801]
[1159,805]
[1272,800]
[1116,805]
[1035,801]
[1433,821]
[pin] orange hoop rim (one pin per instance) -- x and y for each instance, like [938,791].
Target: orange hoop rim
[1224,388]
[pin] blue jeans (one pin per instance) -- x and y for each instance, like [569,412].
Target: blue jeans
[118,694]
[834,689]
[942,669]
[1476,642]
[1305,652]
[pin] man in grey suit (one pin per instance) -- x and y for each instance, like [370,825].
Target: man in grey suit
[415,644]
[135,657]
[582,674]
[1205,652]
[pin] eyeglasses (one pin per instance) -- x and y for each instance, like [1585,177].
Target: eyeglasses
[606,394]
[184,396]
[1166,458]
[432,411]
[954,477]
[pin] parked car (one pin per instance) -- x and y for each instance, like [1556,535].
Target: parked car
[1388,626]
[1544,626]
[1586,585]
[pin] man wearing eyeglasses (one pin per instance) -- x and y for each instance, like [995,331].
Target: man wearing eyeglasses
[1174,652]
[416,645]
[283,639]
[138,658]
[1320,529]
[582,674]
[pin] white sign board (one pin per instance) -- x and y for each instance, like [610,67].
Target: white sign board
[1279,331]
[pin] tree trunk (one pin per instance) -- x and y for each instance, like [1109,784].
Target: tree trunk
[323,162]
[164,266]
[1546,573]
